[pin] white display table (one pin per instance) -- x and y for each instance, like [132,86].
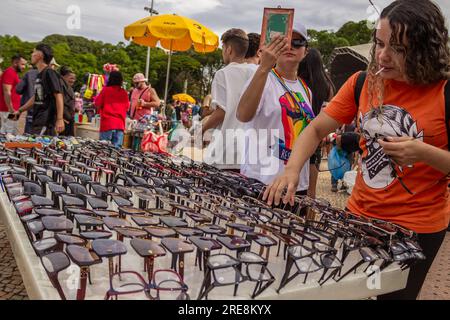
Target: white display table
[38,285]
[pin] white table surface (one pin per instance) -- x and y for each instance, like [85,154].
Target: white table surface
[38,286]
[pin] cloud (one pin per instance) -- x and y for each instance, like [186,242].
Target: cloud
[104,19]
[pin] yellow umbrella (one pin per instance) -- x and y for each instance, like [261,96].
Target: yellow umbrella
[174,33]
[183,97]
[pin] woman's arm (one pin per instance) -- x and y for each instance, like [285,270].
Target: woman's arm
[250,100]
[407,151]
[304,148]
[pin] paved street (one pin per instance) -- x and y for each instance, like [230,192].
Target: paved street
[11,286]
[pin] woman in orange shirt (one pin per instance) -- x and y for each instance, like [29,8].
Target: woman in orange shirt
[401,119]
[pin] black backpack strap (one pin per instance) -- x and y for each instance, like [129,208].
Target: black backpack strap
[447,110]
[359,86]
[140,97]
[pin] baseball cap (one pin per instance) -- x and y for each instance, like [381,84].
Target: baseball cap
[53,62]
[139,77]
[300,29]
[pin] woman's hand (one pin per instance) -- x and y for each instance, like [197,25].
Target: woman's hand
[405,151]
[60,126]
[288,179]
[271,52]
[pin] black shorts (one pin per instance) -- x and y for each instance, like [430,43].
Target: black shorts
[316,158]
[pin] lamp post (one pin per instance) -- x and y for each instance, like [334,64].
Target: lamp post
[152,12]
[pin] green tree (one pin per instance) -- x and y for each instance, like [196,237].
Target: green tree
[326,41]
[355,32]
[83,55]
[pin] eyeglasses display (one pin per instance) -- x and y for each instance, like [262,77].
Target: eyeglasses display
[73,202]
[221,270]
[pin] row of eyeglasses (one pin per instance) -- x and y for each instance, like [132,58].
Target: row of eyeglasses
[73,202]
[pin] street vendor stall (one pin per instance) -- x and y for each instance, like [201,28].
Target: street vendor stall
[39,287]
[86,211]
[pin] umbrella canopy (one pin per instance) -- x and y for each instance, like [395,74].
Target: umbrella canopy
[183,97]
[174,33]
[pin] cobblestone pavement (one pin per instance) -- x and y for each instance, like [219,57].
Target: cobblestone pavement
[11,286]
[437,285]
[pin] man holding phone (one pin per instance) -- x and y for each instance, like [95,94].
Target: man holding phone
[48,100]
[9,99]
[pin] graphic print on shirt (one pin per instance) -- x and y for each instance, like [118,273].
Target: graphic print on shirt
[392,121]
[293,124]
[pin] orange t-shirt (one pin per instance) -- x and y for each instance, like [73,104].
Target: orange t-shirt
[415,111]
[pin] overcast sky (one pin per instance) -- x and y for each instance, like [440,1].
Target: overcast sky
[104,19]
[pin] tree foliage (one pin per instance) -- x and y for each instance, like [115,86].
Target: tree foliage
[84,55]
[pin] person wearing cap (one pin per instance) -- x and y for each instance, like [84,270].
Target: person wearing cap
[48,100]
[54,65]
[277,104]
[144,99]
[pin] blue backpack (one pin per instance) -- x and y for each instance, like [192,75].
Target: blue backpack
[338,163]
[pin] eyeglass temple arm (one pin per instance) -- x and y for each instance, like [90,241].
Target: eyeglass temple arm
[286,279]
[354,268]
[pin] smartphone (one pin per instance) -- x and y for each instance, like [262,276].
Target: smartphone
[11,116]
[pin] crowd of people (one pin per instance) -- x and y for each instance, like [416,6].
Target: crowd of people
[46,95]
[283,102]
[272,106]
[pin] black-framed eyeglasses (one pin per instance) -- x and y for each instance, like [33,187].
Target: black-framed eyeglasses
[298,43]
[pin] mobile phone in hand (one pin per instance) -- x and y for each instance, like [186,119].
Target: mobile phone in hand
[11,116]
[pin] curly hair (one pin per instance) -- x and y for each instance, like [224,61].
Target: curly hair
[253,45]
[427,53]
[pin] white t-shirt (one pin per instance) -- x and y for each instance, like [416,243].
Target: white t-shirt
[271,134]
[224,151]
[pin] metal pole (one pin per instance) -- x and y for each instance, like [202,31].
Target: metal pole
[147,65]
[168,74]
[185,86]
